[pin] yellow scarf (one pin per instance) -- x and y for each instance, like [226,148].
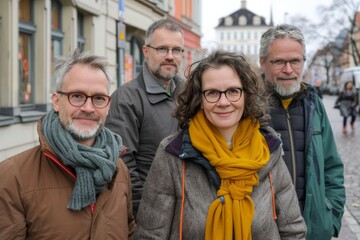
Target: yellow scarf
[232,212]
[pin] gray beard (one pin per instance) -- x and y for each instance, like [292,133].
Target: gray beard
[82,135]
[286,92]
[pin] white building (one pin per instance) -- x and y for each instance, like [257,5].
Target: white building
[241,32]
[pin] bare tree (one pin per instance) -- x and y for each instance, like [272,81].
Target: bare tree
[339,15]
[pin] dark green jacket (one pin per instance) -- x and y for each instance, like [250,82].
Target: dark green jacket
[324,170]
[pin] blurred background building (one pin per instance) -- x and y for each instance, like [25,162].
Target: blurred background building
[34,32]
[241,32]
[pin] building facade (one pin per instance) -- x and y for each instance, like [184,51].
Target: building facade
[34,32]
[241,32]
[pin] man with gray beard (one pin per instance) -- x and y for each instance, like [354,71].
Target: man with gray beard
[73,185]
[298,114]
[141,110]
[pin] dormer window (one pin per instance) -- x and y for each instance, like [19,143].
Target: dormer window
[228,21]
[242,20]
[256,20]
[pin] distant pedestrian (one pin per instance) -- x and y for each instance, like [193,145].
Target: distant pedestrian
[299,115]
[347,102]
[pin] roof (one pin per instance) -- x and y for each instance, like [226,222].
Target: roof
[242,12]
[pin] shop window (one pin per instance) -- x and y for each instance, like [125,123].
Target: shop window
[25,52]
[56,39]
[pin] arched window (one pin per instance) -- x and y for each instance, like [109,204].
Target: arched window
[256,20]
[228,21]
[242,20]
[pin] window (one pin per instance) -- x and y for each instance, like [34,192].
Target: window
[256,20]
[228,21]
[242,20]
[26,52]
[81,37]
[56,38]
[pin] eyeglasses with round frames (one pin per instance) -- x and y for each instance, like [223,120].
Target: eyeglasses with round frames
[296,63]
[77,99]
[231,94]
[163,51]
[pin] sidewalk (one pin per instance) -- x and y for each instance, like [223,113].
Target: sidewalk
[348,146]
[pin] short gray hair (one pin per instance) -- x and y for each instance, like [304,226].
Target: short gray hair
[280,32]
[165,24]
[65,64]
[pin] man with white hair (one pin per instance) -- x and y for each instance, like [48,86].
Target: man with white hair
[298,114]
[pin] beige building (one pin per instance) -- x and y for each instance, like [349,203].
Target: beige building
[34,32]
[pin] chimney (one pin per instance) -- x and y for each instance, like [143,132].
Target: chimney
[243,4]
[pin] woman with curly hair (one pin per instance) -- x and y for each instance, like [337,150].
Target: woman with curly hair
[221,176]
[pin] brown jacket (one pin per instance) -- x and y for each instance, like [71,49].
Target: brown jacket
[35,188]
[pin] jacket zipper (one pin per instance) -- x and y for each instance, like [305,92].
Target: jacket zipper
[292,151]
[68,171]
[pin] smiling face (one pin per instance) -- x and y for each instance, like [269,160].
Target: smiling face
[164,68]
[287,79]
[223,114]
[86,121]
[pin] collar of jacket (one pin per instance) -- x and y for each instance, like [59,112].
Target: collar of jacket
[155,92]
[182,147]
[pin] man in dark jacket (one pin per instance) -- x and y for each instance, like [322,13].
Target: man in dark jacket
[141,109]
[298,114]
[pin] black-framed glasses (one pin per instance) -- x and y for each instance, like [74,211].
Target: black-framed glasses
[78,99]
[163,51]
[232,94]
[296,63]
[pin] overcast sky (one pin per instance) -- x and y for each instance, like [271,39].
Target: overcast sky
[213,10]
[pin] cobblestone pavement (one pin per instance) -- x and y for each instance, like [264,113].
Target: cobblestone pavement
[349,148]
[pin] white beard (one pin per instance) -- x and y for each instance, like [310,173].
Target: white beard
[82,134]
[287,91]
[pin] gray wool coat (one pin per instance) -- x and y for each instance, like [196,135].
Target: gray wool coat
[159,213]
[140,112]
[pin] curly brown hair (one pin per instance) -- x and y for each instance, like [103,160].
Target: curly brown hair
[189,100]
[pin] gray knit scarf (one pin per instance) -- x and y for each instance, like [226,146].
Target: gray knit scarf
[94,166]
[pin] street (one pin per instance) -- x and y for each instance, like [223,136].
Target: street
[348,146]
